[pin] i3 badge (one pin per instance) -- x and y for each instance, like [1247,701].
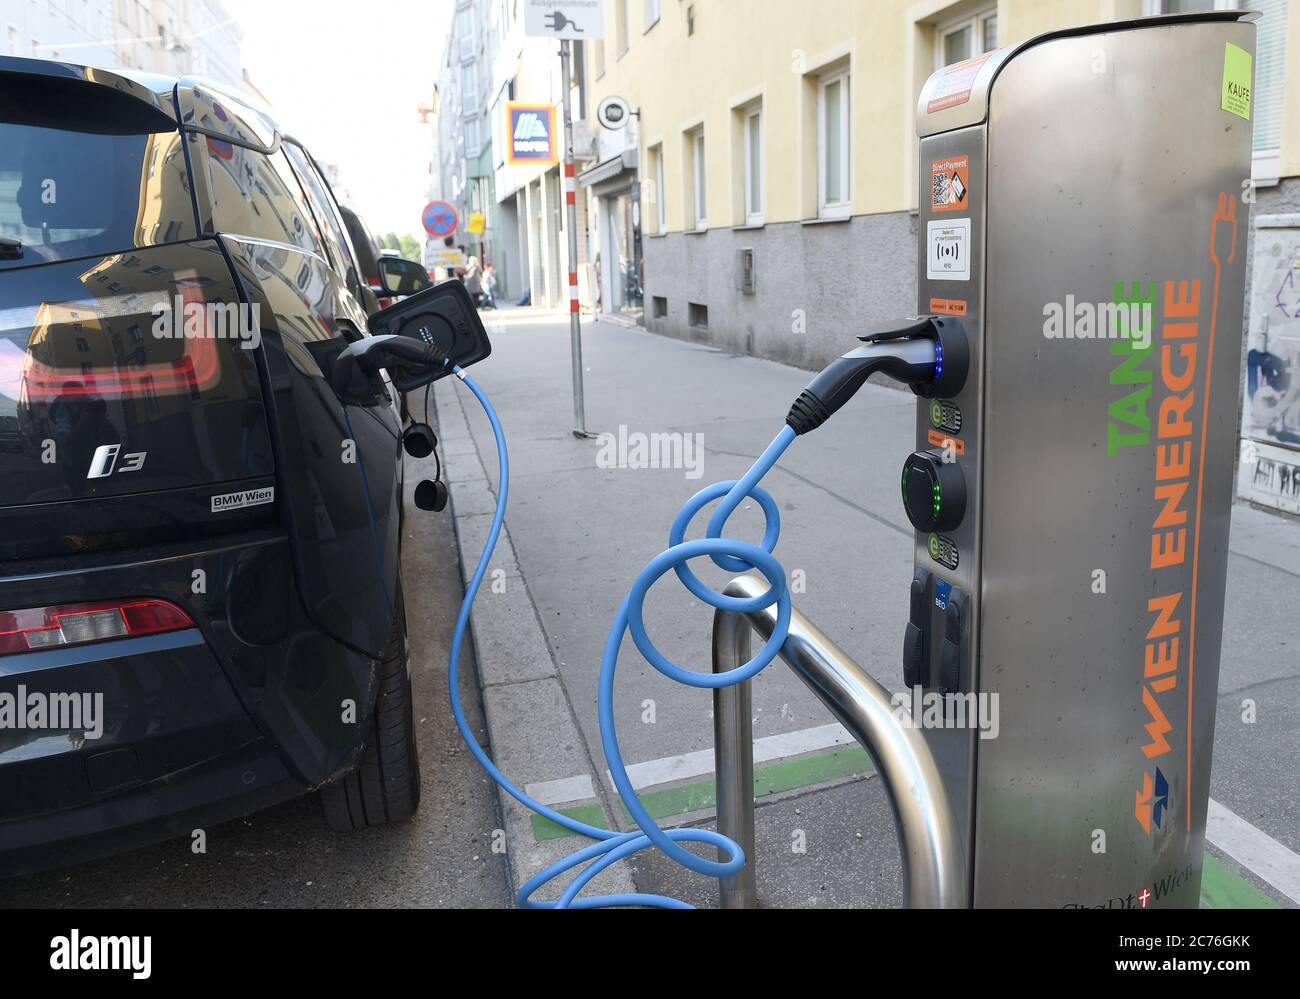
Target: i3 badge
[104,461]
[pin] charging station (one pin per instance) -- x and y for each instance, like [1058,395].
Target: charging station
[1081,212]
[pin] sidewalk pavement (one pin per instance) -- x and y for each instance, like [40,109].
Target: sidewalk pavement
[578,533]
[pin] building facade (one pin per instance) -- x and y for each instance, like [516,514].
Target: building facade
[176,37]
[770,163]
[499,91]
[76,31]
[459,131]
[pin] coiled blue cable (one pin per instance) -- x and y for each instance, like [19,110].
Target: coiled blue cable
[732,555]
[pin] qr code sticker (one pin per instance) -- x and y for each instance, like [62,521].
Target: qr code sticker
[939,194]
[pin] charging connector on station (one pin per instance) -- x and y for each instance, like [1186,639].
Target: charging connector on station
[928,353]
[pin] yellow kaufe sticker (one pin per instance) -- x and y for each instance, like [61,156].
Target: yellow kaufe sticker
[1236,81]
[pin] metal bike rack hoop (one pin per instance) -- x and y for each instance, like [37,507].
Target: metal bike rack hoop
[934,874]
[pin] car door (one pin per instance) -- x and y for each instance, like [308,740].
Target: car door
[342,463]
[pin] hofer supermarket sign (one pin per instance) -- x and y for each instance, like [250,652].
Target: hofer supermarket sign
[531,128]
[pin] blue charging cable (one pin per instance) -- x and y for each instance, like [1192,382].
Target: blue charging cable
[732,555]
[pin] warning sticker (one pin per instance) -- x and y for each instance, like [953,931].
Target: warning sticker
[1236,81]
[945,441]
[950,184]
[948,254]
[948,306]
[952,84]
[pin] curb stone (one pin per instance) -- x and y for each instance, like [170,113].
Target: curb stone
[532,734]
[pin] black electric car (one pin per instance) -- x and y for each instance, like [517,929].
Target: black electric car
[200,604]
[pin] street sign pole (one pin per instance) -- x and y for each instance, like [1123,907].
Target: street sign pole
[571,224]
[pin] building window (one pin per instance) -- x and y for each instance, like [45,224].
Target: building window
[753,160]
[659,191]
[1150,7]
[833,141]
[622,25]
[969,36]
[1270,73]
[651,13]
[472,144]
[469,88]
[578,78]
[696,176]
[465,32]
[1270,76]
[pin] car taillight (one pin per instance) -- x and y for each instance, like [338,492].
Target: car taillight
[35,629]
[45,368]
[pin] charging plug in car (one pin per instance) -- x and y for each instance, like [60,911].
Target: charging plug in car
[418,340]
[410,364]
[928,353]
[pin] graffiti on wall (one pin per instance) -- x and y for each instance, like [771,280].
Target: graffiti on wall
[1269,471]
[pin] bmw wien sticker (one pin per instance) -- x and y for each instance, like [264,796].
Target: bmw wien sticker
[245,498]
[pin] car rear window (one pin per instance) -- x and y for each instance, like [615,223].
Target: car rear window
[128,375]
[81,176]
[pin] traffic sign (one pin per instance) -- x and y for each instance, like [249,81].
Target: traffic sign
[439,219]
[452,259]
[573,19]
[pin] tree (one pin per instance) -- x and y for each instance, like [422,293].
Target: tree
[410,249]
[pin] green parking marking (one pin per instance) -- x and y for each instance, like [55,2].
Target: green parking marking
[848,762]
[1221,887]
[544,828]
[1224,888]
[773,779]
[669,802]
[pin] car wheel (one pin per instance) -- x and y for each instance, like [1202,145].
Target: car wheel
[385,787]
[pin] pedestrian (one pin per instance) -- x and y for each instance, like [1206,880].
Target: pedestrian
[490,286]
[474,281]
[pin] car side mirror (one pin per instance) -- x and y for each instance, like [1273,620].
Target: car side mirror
[399,276]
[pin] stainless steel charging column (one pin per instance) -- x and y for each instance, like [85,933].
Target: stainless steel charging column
[1080,209]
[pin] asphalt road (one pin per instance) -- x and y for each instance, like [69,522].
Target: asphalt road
[285,856]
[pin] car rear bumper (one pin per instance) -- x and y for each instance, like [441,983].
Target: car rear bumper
[104,747]
[238,783]
[180,730]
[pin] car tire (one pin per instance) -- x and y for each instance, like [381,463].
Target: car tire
[385,786]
